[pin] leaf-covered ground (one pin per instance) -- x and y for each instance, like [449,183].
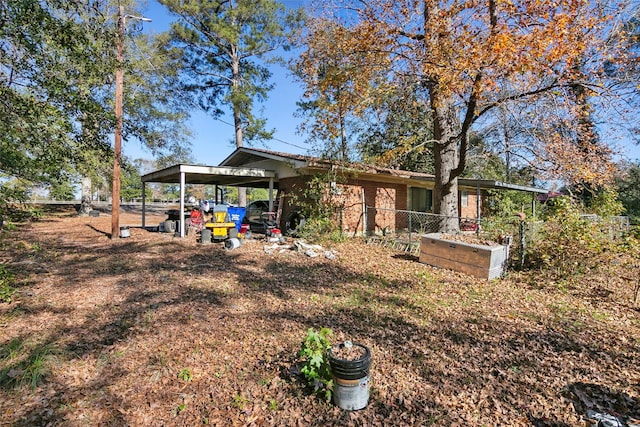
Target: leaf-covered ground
[157,330]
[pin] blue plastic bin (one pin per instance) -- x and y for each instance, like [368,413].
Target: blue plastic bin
[236,215]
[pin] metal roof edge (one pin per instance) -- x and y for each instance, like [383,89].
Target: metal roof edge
[267,155]
[170,170]
[208,170]
[493,184]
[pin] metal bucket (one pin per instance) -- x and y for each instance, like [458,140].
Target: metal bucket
[351,395]
[125,232]
[350,378]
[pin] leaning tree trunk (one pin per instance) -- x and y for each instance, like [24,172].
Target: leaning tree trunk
[446,153]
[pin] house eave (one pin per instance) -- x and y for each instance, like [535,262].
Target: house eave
[489,184]
[243,155]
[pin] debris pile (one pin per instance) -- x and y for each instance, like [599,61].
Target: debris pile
[300,246]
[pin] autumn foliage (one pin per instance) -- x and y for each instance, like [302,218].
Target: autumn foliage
[471,56]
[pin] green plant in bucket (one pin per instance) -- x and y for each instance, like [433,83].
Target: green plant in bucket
[316,369]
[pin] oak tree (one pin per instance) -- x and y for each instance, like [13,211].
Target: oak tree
[470,56]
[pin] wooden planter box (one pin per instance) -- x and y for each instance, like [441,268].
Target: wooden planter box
[483,261]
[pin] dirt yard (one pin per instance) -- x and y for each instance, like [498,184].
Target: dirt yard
[155,330]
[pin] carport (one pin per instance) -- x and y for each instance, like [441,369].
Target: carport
[211,175]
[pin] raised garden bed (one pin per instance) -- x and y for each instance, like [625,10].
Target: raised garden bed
[481,259]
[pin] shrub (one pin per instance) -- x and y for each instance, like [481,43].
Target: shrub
[320,201]
[629,258]
[568,241]
[320,229]
[316,369]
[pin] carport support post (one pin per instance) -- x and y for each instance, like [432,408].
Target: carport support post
[182,184]
[271,195]
[144,184]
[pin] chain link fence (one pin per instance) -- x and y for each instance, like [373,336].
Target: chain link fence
[614,226]
[401,230]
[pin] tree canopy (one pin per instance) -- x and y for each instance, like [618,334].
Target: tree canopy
[628,188]
[470,57]
[57,62]
[49,112]
[221,49]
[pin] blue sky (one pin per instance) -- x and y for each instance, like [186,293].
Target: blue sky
[213,139]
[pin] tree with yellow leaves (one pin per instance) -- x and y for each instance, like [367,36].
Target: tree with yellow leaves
[471,56]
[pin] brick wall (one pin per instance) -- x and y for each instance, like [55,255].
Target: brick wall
[348,198]
[471,210]
[382,196]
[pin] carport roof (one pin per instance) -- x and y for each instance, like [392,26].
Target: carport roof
[214,175]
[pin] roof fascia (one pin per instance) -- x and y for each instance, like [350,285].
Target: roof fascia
[296,164]
[488,184]
[207,170]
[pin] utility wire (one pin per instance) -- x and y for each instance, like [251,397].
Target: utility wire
[275,139]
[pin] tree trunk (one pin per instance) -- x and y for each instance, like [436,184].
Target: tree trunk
[445,192]
[446,153]
[587,137]
[237,118]
[85,203]
[242,191]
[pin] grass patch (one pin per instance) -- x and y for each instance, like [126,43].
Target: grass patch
[21,366]
[7,282]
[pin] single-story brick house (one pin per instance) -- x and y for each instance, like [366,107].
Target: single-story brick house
[358,186]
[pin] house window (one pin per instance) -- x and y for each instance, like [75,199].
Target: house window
[420,199]
[464,199]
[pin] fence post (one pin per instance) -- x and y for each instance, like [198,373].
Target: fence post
[523,242]
[410,230]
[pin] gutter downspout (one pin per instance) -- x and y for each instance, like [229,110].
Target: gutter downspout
[478,207]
